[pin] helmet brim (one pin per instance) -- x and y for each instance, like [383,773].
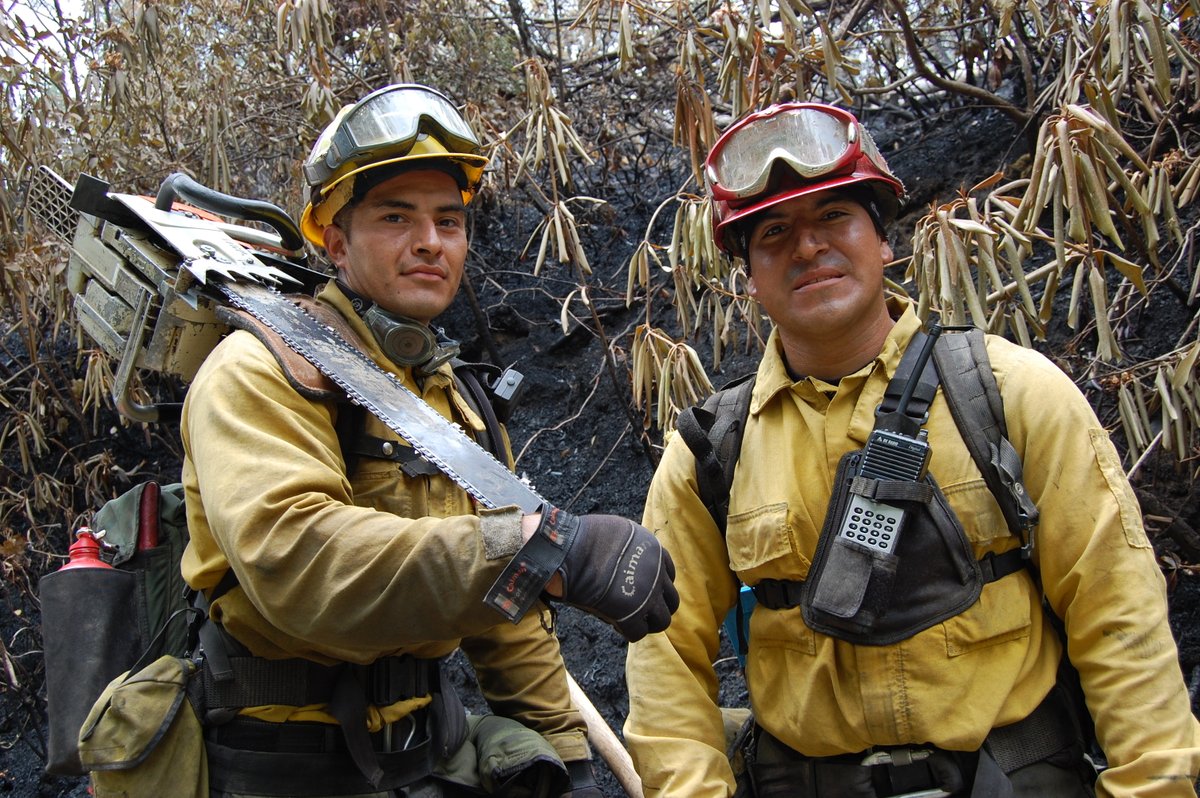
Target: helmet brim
[333,197]
[887,194]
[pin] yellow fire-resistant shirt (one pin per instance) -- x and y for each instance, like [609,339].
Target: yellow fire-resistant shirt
[337,569]
[952,683]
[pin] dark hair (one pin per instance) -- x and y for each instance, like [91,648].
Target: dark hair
[862,193]
[365,181]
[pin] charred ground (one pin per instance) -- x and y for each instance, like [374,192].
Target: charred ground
[573,431]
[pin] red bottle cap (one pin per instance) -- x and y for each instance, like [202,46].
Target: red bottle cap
[85,551]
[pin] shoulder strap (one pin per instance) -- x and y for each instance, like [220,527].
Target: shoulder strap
[906,400]
[356,444]
[302,375]
[713,432]
[469,385]
[978,410]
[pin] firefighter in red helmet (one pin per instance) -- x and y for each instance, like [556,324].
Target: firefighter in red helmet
[899,645]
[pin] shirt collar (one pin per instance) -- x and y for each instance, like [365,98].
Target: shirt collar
[773,376]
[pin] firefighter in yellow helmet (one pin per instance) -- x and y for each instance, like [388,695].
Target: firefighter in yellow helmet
[899,645]
[339,565]
[406,124]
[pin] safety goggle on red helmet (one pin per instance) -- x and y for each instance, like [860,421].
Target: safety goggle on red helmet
[786,151]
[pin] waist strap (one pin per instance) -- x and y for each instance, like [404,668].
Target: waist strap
[1047,733]
[784,594]
[259,758]
[1050,729]
[347,690]
[780,772]
[250,734]
[297,682]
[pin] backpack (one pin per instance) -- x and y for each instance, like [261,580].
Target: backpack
[98,623]
[713,432]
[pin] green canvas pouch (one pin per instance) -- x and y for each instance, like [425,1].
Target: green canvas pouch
[502,757]
[142,736]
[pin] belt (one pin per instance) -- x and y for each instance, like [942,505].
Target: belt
[260,682]
[302,754]
[903,772]
[919,771]
[297,759]
[249,734]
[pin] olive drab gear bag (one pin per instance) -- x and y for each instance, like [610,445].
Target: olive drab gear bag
[101,622]
[142,738]
[500,756]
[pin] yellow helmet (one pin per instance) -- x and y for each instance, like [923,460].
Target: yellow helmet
[403,122]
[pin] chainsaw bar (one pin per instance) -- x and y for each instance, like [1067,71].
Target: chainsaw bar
[204,249]
[438,440]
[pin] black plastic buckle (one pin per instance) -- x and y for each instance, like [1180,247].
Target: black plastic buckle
[506,392]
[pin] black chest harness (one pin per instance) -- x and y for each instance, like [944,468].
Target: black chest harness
[892,559]
[889,531]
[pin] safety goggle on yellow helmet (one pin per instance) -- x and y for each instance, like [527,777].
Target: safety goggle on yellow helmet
[818,147]
[396,123]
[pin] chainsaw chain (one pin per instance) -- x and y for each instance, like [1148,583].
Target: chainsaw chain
[337,359]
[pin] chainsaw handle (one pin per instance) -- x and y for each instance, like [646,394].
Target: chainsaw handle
[179,185]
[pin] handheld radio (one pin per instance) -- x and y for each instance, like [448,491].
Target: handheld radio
[889,455]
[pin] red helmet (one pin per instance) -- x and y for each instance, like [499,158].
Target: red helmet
[786,151]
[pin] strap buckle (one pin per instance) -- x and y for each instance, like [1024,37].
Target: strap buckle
[902,757]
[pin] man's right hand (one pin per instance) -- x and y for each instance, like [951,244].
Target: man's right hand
[616,570]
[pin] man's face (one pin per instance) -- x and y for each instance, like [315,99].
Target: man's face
[816,267]
[406,244]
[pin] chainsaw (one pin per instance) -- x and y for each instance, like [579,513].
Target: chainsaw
[148,275]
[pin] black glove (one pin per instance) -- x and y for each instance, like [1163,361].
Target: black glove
[610,567]
[583,780]
[614,569]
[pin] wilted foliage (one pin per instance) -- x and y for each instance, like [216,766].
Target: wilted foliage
[1110,89]
[589,108]
[577,102]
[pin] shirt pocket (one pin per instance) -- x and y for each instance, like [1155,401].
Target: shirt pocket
[381,485]
[764,536]
[977,511]
[775,633]
[1002,614]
